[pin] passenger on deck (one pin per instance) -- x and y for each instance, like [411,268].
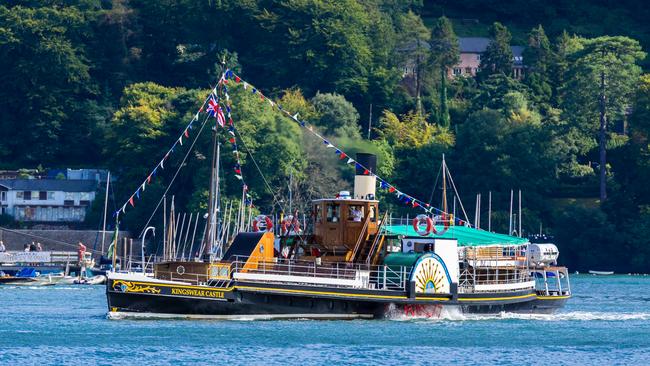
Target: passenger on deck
[356,214]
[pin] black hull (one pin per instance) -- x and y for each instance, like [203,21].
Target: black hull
[271,302]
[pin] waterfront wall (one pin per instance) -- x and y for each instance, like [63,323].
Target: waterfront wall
[65,240]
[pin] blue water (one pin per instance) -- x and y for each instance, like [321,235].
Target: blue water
[607,322]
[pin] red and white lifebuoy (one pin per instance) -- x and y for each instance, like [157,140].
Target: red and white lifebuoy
[262,223]
[420,220]
[290,224]
[445,222]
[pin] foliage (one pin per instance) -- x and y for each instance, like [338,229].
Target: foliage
[497,58]
[337,116]
[113,83]
[444,54]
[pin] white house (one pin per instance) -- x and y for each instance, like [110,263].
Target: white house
[46,200]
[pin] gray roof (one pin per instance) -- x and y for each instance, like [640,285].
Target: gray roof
[479,45]
[473,44]
[63,185]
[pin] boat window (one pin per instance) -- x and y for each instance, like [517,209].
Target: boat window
[333,212]
[318,213]
[373,213]
[356,213]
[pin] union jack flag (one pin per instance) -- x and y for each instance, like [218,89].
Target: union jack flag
[214,110]
[213,106]
[221,119]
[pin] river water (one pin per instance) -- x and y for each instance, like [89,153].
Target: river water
[606,322]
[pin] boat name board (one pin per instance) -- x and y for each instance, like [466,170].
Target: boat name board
[25,257]
[197,293]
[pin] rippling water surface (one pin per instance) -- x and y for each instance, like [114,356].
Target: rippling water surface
[606,322]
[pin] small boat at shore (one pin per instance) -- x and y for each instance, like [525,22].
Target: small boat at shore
[601,273]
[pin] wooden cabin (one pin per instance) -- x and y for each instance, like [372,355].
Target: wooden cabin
[339,222]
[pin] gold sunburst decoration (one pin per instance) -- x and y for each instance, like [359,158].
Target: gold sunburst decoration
[430,276]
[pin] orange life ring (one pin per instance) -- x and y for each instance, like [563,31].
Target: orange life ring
[445,223]
[422,219]
[288,224]
[266,222]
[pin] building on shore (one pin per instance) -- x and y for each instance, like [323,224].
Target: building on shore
[47,200]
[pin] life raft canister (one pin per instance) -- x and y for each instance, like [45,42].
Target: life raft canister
[445,222]
[419,220]
[290,223]
[262,223]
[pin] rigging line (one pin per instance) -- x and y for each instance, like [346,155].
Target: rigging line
[435,185]
[49,239]
[187,127]
[268,186]
[196,138]
[457,195]
[310,128]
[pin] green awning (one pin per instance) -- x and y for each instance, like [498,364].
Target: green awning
[466,236]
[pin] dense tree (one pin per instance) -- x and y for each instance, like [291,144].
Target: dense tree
[48,92]
[602,76]
[497,58]
[413,50]
[444,55]
[538,58]
[337,116]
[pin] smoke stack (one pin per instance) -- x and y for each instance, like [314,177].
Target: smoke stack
[365,185]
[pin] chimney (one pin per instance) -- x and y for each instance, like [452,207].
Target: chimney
[365,185]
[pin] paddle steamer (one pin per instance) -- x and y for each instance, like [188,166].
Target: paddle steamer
[349,260]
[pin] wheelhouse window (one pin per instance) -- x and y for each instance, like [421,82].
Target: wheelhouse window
[333,212]
[356,213]
[318,213]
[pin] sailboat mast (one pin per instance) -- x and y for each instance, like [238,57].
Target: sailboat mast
[444,184]
[108,181]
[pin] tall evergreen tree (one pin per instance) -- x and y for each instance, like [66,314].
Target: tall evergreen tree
[603,74]
[413,47]
[444,55]
[497,58]
[538,57]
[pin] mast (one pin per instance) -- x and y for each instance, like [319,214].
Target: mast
[444,184]
[208,232]
[108,180]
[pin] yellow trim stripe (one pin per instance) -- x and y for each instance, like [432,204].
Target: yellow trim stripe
[552,297]
[318,292]
[496,298]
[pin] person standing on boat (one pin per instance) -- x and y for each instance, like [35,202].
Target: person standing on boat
[81,252]
[39,248]
[32,247]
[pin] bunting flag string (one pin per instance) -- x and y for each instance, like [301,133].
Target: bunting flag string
[232,139]
[185,133]
[383,184]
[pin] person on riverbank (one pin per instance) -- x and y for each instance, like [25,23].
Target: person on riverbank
[2,247]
